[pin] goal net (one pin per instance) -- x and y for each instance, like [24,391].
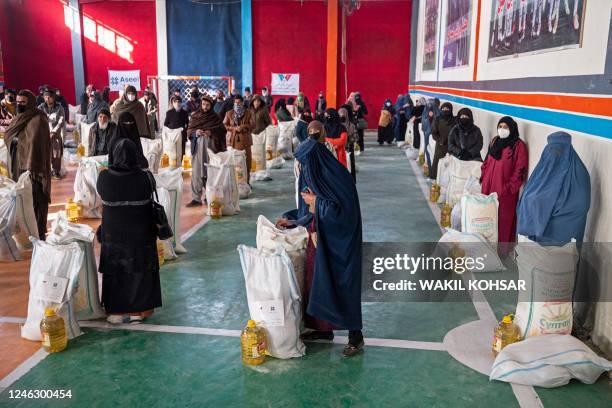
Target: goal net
[163,86]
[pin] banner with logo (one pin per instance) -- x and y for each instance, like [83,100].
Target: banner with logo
[117,80]
[285,84]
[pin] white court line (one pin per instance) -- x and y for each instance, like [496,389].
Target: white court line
[376,342]
[526,395]
[22,369]
[195,228]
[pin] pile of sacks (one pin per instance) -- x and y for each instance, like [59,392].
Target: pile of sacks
[17,219]
[274,279]
[222,180]
[271,148]
[63,275]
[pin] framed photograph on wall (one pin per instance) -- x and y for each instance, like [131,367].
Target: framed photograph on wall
[526,27]
[457,34]
[430,46]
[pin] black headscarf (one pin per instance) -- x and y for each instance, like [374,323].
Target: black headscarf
[499,144]
[333,126]
[127,129]
[125,154]
[468,113]
[447,117]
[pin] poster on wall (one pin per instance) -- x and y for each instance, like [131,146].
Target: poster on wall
[431,31]
[457,38]
[524,27]
[117,80]
[285,84]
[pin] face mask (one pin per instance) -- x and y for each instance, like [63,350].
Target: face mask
[10,98]
[236,106]
[343,118]
[320,96]
[21,108]
[264,92]
[177,107]
[388,104]
[315,135]
[503,133]
[131,97]
[102,125]
[300,98]
[445,112]
[464,121]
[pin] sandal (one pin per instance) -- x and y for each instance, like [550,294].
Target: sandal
[351,349]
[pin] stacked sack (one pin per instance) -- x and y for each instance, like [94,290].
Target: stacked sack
[285,139]
[273,156]
[221,184]
[169,185]
[259,170]
[85,192]
[17,219]
[172,140]
[152,149]
[274,278]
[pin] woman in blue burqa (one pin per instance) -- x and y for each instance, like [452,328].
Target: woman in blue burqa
[556,200]
[329,209]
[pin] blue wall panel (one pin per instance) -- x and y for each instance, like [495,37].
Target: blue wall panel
[204,40]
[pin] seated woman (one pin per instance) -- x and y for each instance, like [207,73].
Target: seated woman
[131,288]
[329,208]
[465,138]
[336,134]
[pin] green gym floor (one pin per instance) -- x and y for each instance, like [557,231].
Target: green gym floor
[188,353]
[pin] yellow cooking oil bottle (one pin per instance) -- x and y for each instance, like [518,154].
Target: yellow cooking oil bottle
[73,210]
[445,215]
[165,160]
[160,252]
[53,332]
[186,162]
[505,333]
[80,150]
[253,340]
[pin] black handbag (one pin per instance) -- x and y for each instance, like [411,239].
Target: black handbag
[164,231]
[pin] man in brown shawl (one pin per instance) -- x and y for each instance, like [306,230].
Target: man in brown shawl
[129,103]
[29,143]
[206,131]
[240,123]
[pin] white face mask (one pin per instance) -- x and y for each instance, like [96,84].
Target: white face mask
[503,133]
[131,97]
[102,125]
[177,107]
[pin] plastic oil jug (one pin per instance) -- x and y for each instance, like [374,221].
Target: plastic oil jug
[3,170]
[253,339]
[434,193]
[505,333]
[53,332]
[73,210]
[160,252]
[215,208]
[76,136]
[269,153]
[445,216]
[421,159]
[425,170]
[186,162]
[455,253]
[80,151]
[165,160]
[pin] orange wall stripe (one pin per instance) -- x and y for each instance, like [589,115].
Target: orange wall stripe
[591,105]
[331,72]
[475,73]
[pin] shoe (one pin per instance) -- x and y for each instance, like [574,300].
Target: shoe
[118,319]
[317,335]
[136,319]
[194,203]
[351,349]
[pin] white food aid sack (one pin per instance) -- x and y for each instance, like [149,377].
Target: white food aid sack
[411,153]
[475,246]
[3,154]
[545,307]
[152,149]
[274,299]
[237,159]
[293,240]
[258,156]
[171,180]
[460,172]
[272,134]
[86,299]
[25,221]
[8,208]
[221,185]
[72,111]
[84,129]
[85,192]
[285,139]
[443,177]
[548,361]
[479,214]
[409,135]
[172,145]
[54,273]
[166,201]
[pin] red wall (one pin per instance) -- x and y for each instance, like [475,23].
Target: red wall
[132,19]
[36,45]
[290,37]
[378,53]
